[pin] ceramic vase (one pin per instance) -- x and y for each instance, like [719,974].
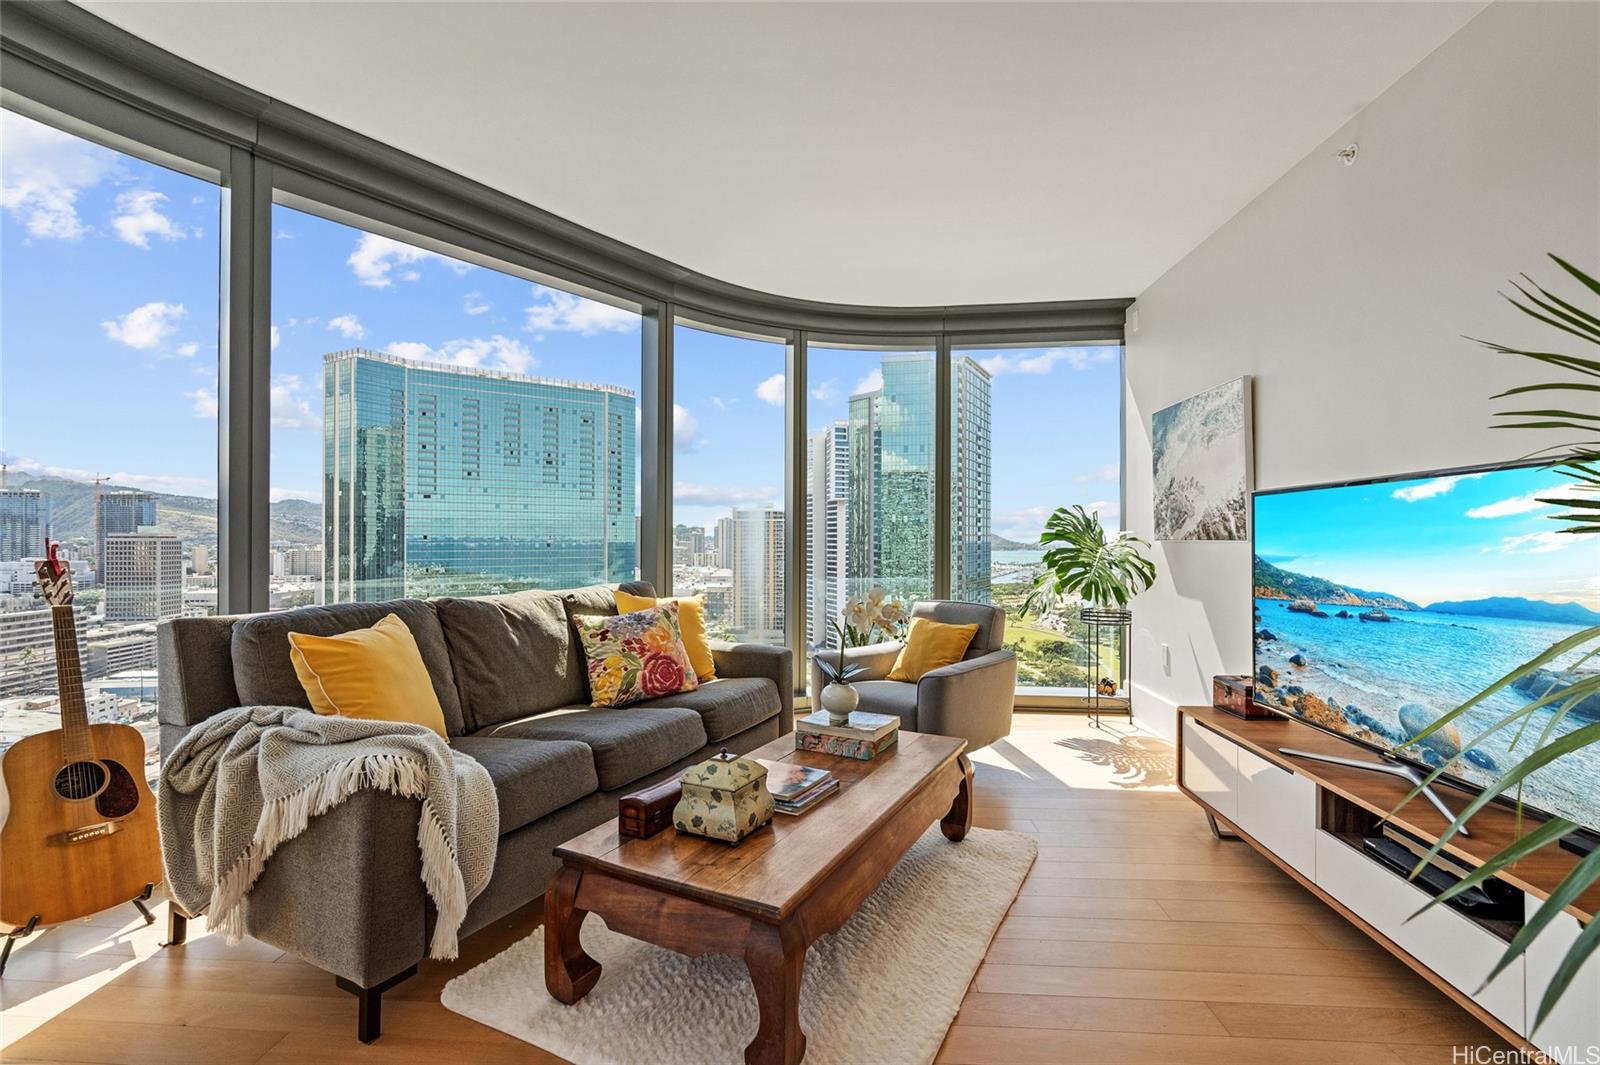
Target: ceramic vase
[838,700]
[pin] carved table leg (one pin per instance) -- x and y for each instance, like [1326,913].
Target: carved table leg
[958,821]
[776,958]
[569,973]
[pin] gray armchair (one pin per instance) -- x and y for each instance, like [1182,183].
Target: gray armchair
[971,699]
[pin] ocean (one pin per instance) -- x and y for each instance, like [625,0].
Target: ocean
[1439,661]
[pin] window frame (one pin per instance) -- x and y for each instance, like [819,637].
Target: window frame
[73,70]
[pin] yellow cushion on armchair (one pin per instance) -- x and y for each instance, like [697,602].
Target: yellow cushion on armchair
[931,645]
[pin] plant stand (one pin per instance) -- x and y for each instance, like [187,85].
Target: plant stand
[1101,623]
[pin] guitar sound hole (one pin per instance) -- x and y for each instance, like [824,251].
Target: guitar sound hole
[80,780]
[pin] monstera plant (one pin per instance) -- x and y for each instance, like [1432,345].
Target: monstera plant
[1574,406]
[1081,559]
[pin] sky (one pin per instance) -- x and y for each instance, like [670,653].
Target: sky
[129,348]
[1442,538]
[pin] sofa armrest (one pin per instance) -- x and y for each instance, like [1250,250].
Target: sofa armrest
[760,660]
[972,699]
[346,895]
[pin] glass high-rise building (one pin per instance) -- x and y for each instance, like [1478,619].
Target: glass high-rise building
[22,524]
[454,480]
[891,480]
[117,513]
[827,527]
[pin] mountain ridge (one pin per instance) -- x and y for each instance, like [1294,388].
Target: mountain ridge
[1274,582]
[1518,608]
[192,519]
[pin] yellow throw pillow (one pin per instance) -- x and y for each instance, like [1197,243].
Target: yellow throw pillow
[376,674]
[691,623]
[931,645]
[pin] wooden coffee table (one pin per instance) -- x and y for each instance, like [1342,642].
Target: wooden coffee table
[769,898]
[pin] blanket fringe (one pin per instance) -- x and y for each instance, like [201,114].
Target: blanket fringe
[286,817]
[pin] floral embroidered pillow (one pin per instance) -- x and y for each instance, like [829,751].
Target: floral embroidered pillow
[635,656]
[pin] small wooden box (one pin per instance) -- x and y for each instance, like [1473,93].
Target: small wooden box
[641,814]
[1237,696]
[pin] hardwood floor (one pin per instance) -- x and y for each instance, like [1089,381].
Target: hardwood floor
[1136,938]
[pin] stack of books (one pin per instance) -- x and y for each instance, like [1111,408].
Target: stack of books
[865,736]
[797,788]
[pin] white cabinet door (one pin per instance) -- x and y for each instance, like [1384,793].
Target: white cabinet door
[1211,768]
[1279,808]
[1442,939]
[1572,1031]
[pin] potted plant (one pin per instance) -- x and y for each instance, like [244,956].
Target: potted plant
[865,617]
[1105,572]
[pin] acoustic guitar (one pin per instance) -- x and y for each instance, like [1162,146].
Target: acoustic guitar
[80,835]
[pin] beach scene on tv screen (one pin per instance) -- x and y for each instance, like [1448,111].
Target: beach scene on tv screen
[1379,607]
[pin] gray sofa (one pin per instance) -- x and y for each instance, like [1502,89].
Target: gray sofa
[972,698]
[347,895]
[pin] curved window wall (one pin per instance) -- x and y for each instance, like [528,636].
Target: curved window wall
[418,386]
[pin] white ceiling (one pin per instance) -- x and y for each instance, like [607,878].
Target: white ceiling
[860,153]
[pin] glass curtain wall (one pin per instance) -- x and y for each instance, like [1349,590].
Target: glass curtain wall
[109,334]
[728,453]
[440,427]
[869,488]
[1032,429]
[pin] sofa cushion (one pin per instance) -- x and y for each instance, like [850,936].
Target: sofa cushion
[511,655]
[264,676]
[532,777]
[627,743]
[728,705]
[889,697]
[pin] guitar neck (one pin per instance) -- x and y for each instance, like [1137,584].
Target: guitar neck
[69,683]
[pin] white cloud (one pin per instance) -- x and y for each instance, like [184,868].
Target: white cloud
[153,482]
[873,382]
[1109,472]
[554,311]
[1044,361]
[722,404]
[348,325]
[43,174]
[375,257]
[1429,489]
[827,392]
[203,402]
[702,495]
[685,428]
[290,410]
[276,336]
[771,390]
[145,327]
[138,218]
[1529,503]
[1540,543]
[474,303]
[495,353]
[189,350]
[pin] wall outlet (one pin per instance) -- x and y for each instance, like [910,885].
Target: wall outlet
[1166,659]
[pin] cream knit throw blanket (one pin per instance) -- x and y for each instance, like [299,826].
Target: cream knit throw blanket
[244,782]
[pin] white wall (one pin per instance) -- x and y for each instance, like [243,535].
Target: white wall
[1345,292]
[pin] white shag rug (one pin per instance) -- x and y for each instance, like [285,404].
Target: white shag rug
[882,990]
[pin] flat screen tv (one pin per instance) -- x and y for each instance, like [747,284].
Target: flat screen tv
[1380,605]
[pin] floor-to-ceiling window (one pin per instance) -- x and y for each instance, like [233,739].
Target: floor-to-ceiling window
[109,328]
[1032,429]
[870,475]
[727,495]
[441,427]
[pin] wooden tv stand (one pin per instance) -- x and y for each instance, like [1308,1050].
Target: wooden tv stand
[1309,818]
